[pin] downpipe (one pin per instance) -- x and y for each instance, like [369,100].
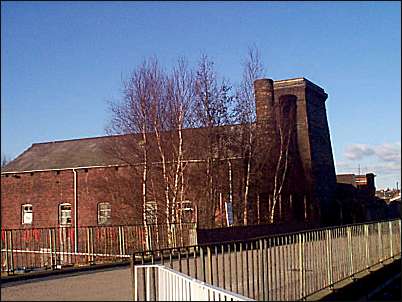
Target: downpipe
[75,213]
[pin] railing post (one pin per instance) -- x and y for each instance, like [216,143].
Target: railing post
[133,279]
[51,248]
[209,259]
[54,247]
[119,239]
[350,250]
[6,255]
[150,243]
[223,267]
[148,283]
[236,268]
[379,242]
[266,271]
[390,238]
[202,263]
[399,236]
[328,237]
[301,247]
[123,236]
[366,237]
[89,245]
[12,251]
[304,270]
[260,271]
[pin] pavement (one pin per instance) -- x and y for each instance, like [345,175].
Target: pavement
[112,284]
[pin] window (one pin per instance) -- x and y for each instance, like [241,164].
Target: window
[65,214]
[187,211]
[151,212]
[104,213]
[26,214]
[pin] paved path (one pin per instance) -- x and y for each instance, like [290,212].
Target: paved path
[106,285]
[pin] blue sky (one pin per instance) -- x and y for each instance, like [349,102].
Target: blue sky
[61,62]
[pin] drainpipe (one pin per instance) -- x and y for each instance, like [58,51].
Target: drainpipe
[75,213]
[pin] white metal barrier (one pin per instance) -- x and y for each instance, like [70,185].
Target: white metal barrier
[165,284]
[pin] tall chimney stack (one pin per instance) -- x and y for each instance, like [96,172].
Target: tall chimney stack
[264,98]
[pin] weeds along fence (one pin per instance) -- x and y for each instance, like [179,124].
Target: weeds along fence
[278,267]
[52,248]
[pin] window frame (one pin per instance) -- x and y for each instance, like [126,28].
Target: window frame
[65,211]
[187,209]
[24,211]
[151,212]
[108,217]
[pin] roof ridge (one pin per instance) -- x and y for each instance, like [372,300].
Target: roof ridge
[117,135]
[79,139]
[13,160]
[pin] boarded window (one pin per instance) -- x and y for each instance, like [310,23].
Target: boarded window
[65,214]
[27,214]
[104,213]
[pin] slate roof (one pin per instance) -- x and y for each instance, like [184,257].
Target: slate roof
[63,154]
[96,151]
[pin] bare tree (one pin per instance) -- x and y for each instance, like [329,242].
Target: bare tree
[285,111]
[180,101]
[132,117]
[4,161]
[152,115]
[245,115]
[211,111]
[156,109]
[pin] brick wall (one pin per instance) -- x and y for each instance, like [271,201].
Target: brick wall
[48,189]
[119,186]
[44,190]
[312,174]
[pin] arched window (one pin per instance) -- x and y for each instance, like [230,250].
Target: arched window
[26,212]
[104,213]
[65,214]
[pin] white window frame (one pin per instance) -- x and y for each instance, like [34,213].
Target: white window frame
[104,214]
[63,217]
[187,207]
[26,213]
[151,212]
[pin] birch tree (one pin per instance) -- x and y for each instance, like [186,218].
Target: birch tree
[180,101]
[245,115]
[211,111]
[153,113]
[285,111]
[131,116]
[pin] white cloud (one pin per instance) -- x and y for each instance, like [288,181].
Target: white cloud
[389,152]
[358,151]
[384,160]
[385,152]
[386,168]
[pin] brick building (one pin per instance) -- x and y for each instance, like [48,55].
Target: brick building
[80,182]
[364,183]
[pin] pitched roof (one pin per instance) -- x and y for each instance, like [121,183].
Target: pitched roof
[101,151]
[63,154]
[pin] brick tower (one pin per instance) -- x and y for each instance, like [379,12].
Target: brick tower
[316,172]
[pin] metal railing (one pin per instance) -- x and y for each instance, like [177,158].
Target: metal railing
[283,267]
[30,249]
[165,284]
